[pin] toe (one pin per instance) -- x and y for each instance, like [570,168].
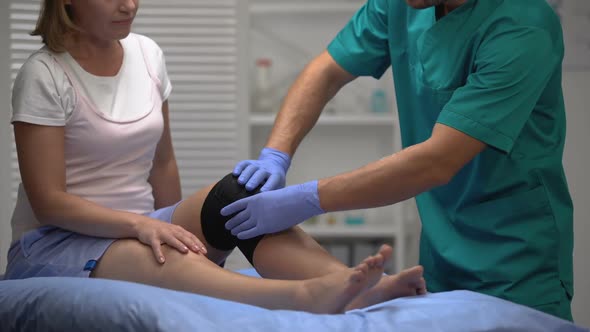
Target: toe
[370,261]
[386,251]
[361,272]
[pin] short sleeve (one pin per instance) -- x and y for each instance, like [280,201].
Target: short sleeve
[362,46]
[512,70]
[157,60]
[166,87]
[41,93]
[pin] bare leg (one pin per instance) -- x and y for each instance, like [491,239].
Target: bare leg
[132,261]
[188,215]
[306,256]
[307,259]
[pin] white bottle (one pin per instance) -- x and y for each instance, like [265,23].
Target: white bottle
[263,95]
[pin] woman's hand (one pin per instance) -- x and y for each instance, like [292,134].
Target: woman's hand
[154,233]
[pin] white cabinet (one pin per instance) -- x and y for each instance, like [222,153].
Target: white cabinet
[348,135]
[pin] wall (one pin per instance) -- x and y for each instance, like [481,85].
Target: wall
[575,17]
[577,164]
[5,132]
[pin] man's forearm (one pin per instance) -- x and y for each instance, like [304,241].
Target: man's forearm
[318,83]
[387,181]
[403,175]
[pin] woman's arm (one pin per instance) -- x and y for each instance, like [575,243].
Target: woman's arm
[40,152]
[164,176]
[402,175]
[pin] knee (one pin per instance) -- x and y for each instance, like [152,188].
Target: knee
[225,192]
[228,190]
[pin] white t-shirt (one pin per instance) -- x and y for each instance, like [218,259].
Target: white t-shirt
[97,168]
[43,95]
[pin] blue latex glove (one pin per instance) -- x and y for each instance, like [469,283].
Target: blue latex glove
[273,211]
[271,166]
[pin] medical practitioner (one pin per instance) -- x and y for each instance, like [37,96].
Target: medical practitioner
[481,111]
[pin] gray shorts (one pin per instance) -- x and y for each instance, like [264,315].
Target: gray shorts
[54,252]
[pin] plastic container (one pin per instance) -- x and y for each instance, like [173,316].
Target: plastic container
[355,218]
[379,101]
[263,99]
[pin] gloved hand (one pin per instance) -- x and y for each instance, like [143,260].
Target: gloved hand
[272,166]
[273,211]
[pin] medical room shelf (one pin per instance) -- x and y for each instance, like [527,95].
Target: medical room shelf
[319,7]
[350,232]
[386,120]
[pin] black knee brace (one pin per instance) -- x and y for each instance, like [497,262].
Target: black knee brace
[225,192]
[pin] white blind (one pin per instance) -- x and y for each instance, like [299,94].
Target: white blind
[23,16]
[200,40]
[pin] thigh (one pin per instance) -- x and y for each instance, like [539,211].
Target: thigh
[188,215]
[131,260]
[53,252]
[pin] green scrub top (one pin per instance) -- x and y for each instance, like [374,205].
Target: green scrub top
[492,70]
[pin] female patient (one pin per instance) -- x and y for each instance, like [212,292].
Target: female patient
[100,193]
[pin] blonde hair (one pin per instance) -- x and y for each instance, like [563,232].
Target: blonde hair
[54,24]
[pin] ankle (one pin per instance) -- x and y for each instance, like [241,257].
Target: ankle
[303,295]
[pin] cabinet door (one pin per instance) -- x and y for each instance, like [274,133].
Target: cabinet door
[204,58]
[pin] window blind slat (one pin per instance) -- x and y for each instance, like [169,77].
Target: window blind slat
[197,31]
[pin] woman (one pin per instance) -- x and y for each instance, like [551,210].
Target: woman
[100,194]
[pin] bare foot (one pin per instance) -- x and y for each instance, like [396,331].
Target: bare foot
[408,282]
[377,264]
[332,292]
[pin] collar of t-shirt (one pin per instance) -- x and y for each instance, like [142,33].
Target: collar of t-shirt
[122,96]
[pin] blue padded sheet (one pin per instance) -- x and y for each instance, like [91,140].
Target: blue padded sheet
[80,304]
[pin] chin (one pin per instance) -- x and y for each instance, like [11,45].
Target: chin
[121,35]
[421,4]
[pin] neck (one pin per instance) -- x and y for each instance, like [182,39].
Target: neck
[85,46]
[98,57]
